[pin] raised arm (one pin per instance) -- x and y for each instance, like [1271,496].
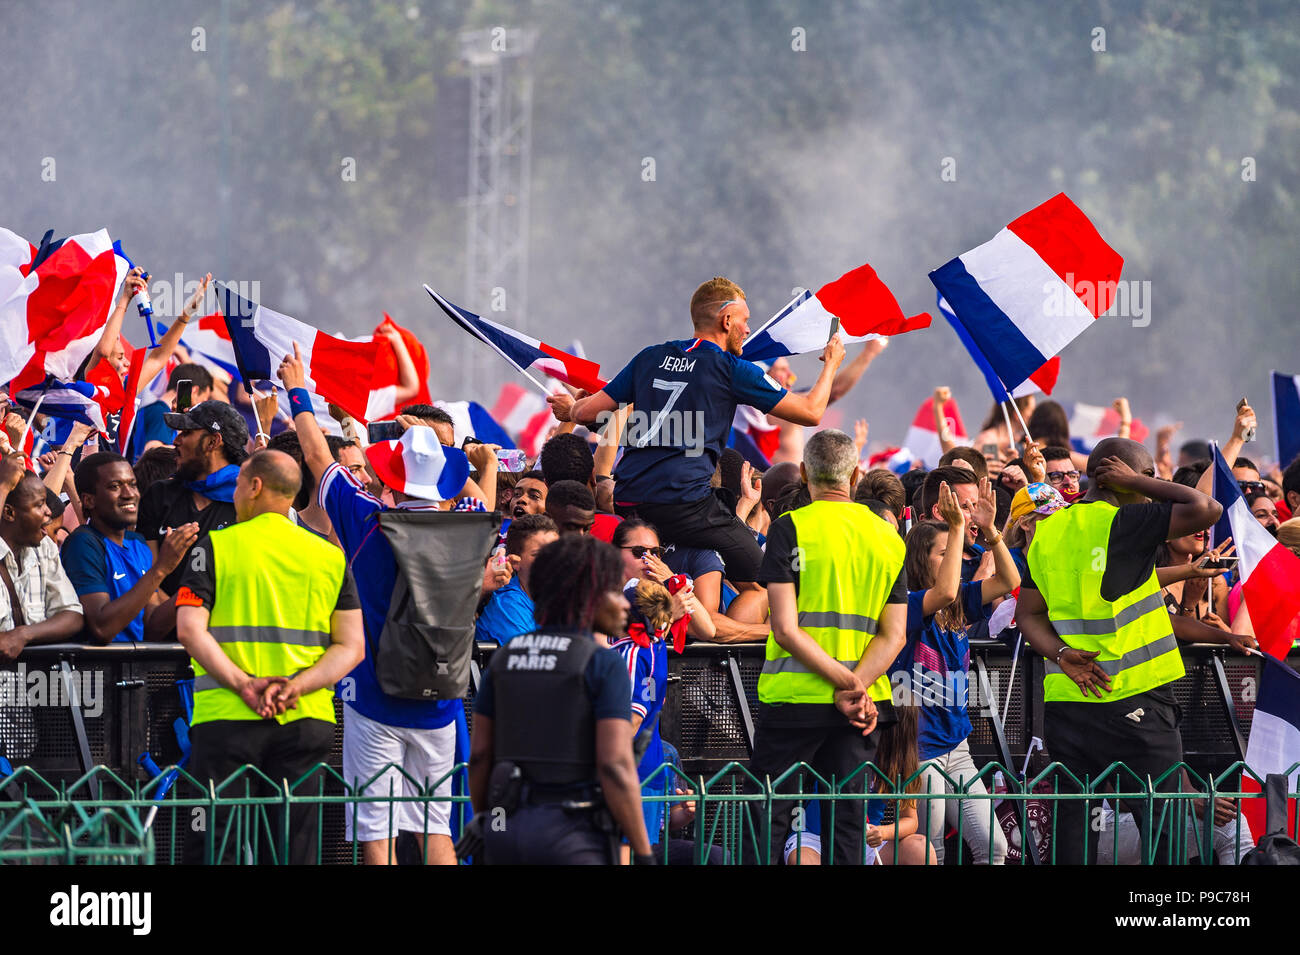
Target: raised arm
[132,284]
[1006,577]
[1193,510]
[408,379]
[947,584]
[315,450]
[942,395]
[157,358]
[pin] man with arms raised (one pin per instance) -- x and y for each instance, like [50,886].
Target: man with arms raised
[685,394]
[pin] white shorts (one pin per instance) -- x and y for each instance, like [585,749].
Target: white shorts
[425,755]
[812,841]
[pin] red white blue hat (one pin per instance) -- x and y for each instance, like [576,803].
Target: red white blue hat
[418,465]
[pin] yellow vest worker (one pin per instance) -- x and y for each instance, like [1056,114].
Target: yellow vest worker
[834,576]
[1090,604]
[271,619]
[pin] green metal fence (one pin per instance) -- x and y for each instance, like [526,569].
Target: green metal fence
[102,819]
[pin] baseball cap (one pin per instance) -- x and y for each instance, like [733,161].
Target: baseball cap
[214,416]
[1037,498]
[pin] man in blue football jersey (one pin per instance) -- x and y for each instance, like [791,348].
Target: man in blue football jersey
[685,395]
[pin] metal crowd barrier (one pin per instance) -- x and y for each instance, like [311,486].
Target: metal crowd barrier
[88,714]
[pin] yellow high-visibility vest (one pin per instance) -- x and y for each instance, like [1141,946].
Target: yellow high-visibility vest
[849,560]
[276,588]
[1138,650]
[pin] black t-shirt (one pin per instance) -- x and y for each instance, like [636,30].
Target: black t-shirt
[169,504]
[203,583]
[1136,534]
[781,567]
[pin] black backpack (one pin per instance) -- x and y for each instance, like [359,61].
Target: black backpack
[1274,847]
[428,637]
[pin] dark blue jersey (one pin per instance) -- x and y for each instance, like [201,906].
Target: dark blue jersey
[685,395]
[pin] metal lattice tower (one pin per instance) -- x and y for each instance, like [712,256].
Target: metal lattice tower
[500,145]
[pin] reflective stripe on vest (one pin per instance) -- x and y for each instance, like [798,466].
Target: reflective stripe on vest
[848,561]
[1133,634]
[276,589]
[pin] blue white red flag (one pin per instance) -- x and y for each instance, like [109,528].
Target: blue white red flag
[923,440]
[1274,745]
[1286,417]
[1031,289]
[1090,423]
[1269,573]
[524,351]
[54,302]
[348,374]
[863,304]
[1044,379]
[68,400]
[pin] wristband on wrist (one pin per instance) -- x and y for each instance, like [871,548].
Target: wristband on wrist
[1064,647]
[299,401]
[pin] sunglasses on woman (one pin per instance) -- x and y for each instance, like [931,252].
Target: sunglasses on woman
[638,551]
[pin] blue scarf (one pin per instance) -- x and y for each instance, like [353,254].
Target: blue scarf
[219,485]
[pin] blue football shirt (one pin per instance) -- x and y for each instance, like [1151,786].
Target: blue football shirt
[374,568]
[685,394]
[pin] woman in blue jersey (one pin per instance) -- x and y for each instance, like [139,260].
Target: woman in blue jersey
[935,663]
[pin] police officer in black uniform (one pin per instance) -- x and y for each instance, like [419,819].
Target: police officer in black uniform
[552,775]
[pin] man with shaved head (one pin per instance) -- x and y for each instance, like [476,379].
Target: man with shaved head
[1091,605]
[271,618]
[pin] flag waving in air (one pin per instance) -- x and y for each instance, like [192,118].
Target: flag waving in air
[523,351]
[1031,289]
[1044,379]
[1274,745]
[348,374]
[861,302]
[54,303]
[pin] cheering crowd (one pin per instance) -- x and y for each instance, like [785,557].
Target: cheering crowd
[98,547]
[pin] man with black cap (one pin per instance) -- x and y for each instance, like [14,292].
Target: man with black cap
[210,442]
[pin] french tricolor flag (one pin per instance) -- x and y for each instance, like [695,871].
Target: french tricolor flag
[923,441]
[68,400]
[523,351]
[340,371]
[1031,289]
[1286,417]
[471,420]
[54,302]
[1269,573]
[1274,745]
[1044,379]
[861,302]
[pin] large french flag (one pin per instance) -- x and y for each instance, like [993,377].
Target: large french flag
[1286,417]
[523,351]
[1269,573]
[923,441]
[863,304]
[1044,379]
[339,371]
[1274,745]
[1033,288]
[54,302]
